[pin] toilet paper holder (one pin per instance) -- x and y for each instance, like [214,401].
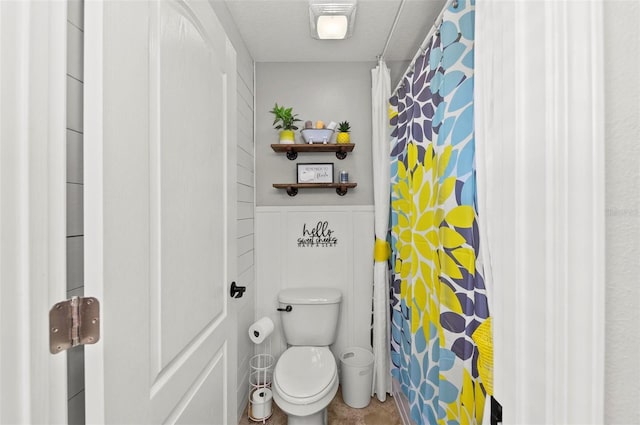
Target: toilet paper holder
[260,395]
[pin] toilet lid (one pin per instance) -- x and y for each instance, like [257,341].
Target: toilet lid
[303,372]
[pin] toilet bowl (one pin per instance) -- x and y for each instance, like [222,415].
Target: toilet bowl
[305,381]
[305,378]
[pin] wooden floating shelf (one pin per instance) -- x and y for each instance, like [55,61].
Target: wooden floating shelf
[292,188]
[292,150]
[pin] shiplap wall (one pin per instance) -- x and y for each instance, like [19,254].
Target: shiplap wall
[245,226]
[75,191]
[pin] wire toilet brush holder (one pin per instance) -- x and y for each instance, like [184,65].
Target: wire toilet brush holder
[260,395]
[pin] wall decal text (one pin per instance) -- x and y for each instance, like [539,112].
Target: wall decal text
[319,236]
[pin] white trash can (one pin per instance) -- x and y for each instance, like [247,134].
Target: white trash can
[356,376]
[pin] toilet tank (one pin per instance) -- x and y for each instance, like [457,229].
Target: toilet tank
[313,317]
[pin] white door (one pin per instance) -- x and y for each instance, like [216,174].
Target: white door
[160,212]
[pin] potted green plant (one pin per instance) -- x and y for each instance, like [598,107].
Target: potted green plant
[285,121]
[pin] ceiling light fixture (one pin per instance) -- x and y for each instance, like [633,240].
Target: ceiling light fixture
[332,20]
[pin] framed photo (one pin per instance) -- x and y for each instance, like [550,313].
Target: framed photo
[315,173]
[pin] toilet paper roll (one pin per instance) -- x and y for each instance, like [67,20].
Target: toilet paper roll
[261,330]
[262,395]
[261,403]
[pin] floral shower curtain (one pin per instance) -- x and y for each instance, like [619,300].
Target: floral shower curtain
[441,329]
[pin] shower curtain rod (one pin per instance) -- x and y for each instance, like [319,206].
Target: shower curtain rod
[392,30]
[423,46]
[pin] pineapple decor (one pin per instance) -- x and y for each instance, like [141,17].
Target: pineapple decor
[343,132]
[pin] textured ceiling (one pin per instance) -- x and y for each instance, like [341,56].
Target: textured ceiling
[278,30]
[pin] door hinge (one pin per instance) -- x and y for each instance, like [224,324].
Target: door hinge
[74,322]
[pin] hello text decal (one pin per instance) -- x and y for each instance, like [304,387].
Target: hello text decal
[319,236]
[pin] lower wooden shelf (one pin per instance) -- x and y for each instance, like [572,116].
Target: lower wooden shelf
[292,188]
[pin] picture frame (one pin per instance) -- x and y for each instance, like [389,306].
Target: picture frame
[315,172]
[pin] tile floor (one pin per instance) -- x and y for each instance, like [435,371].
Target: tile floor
[376,413]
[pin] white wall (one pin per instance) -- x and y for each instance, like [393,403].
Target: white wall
[316,91]
[347,265]
[396,71]
[622,132]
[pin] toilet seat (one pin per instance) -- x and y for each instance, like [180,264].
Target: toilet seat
[303,375]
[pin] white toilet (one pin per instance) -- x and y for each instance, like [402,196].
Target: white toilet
[305,379]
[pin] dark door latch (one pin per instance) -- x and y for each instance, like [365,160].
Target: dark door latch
[237,291]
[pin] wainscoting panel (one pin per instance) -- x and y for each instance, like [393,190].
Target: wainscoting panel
[322,246]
